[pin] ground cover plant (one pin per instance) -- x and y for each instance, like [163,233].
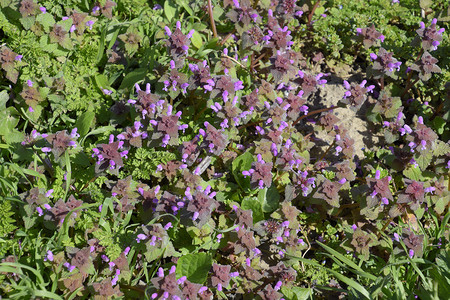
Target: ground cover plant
[234,149]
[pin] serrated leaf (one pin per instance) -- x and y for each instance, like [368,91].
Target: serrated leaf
[194,266]
[441,148]
[66,24]
[424,4]
[43,43]
[27,22]
[424,160]
[319,11]
[46,20]
[413,173]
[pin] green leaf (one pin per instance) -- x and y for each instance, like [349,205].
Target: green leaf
[194,266]
[133,77]
[4,97]
[439,124]
[27,22]
[413,173]
[186,6]
[169,10]
[84,122]
[98,130]
[269,199]
[242,163]
[424,159]
[197,40]
[43,43]
[441,204]
[66,24]
[8,120]
[46,20]
[319,11]
[296,293]
[424,4]
[102,81]
[253,204]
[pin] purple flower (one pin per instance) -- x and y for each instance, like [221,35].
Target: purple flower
[49,256]
[18,57]
[369,36]
[90,23]
[69,267]
[356,94]
[430,36]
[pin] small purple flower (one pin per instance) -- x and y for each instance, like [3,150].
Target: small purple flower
[49,256]
[69,267]
[396,237]
[49,193]
[43,9]
[107,92]
[354,227]
[18,57]
[141,237]
[90,23]
[40,211]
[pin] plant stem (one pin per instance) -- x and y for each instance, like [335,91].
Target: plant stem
[249,124]
[408,80]
[328,150]
[313,113]
[409,86]
[211,18]
[312,12]
[382,82]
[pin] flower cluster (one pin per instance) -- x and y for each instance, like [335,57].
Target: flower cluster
[379,190]
[356,94]
[430,36]
[60,141]
[260,173]
[369,36]
[425,66]
[109,156]
[166,127]
[384,63]
[178,44]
